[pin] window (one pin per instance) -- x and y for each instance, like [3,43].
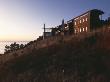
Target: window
[83,20]
[80,30]
[86,29]
[75,30]
[86,19]
[75,23]
[83,29]
[80,21]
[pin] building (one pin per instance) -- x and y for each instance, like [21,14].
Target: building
[70,25]
[85,22]
[88,21]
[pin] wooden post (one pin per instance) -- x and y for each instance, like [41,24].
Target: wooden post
[44,32]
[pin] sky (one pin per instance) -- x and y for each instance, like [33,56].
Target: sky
[23,20]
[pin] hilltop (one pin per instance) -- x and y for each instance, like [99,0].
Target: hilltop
[84,60]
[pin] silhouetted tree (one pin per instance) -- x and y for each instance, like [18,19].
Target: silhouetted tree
[7,49]
[13,47]
[21,46]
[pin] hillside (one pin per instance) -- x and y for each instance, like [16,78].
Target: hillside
[87,60]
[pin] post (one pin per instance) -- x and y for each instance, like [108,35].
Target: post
[63,27]
[44,32]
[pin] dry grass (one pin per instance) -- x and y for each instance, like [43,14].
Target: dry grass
[86,60]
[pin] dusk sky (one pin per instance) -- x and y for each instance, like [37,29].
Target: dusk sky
[24,19]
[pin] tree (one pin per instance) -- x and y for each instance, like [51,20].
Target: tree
[7,49]
[22,46]
[13,47]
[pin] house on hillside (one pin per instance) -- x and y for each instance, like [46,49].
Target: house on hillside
[85,22]
[88,21]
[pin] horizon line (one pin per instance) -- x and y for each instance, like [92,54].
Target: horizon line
[16,41]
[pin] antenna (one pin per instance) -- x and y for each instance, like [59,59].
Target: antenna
[63,25]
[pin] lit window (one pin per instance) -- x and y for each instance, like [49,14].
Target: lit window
[83,20]
[58,31]
[75,23]
[80,29]
[86,29]
[86,19]
[80,21]
[75,30]
[83,29]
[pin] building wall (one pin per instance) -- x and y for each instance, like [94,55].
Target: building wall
[96,19]
[82,23]
[88,21]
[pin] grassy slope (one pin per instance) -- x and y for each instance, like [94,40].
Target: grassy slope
[69,61]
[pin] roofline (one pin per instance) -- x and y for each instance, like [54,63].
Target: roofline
[86,13]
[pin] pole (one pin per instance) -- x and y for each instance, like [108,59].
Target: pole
[44,32]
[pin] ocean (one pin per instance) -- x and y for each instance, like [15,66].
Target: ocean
[4,43]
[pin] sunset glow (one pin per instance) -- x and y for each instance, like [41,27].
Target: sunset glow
[23,19]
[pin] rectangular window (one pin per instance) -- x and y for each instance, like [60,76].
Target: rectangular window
[83,29]
[86,19]
[75,30]
[83,20]
[80,29]
[80,21]
[86,29]
[75,23]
